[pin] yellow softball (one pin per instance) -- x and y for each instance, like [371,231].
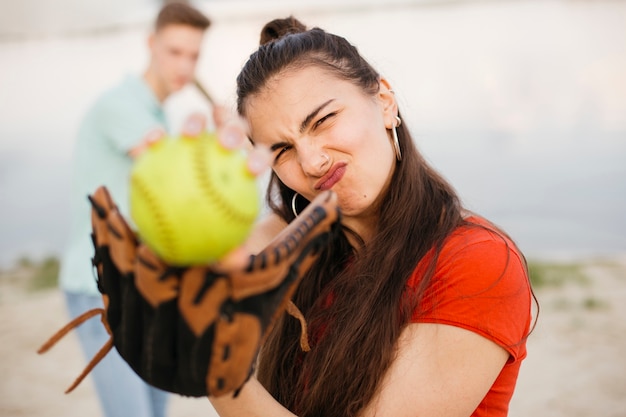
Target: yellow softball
[192,200]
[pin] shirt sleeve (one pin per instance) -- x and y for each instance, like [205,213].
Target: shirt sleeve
[480,285]
[125,122]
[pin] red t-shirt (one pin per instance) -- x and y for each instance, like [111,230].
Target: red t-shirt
[480,284]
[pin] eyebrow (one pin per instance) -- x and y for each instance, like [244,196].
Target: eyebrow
[277,146]
[307,120]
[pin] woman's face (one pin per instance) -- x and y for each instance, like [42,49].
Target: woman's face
[326,133]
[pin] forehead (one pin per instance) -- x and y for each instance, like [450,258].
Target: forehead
[180,35]
[288,97]
[278,110]
[300,89]
[299,83]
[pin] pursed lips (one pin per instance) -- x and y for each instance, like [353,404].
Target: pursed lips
[332,177]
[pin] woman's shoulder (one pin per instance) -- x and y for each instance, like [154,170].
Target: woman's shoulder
[479,282]
[477,234]
[476,258]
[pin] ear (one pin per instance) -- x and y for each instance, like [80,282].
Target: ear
[389,104]
[151,40]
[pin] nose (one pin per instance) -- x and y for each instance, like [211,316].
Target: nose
[187,67]
[313,159]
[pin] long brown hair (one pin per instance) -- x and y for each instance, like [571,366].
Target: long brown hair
[353,300]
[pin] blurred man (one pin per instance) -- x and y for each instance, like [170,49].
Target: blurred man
[120,124]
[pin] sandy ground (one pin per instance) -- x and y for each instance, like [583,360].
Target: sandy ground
[576,364]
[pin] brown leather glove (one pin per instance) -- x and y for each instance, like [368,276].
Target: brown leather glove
[195,331]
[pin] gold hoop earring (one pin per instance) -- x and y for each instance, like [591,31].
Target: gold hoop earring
[396,141]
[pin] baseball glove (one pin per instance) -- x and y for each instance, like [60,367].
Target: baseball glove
[195,331]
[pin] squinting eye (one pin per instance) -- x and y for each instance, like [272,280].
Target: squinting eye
[323,119]
[282,151]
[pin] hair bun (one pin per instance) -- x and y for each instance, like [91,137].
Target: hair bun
[278,28]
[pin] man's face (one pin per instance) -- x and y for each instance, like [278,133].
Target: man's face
[175,49]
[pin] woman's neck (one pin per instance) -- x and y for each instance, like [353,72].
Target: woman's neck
[363,230]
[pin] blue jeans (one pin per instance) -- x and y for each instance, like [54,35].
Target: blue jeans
[121,392]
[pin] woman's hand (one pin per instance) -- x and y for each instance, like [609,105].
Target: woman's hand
[231,132]
[152,137]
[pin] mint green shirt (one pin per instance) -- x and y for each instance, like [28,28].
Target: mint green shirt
[116,123]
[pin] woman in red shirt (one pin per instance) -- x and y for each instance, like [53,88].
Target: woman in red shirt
[419,308]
